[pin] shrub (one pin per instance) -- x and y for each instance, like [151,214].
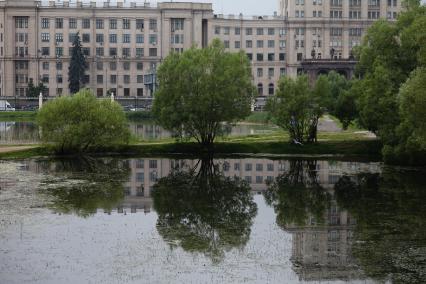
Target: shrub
[82,123]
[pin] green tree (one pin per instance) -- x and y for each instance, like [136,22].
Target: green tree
[296,107]
[78,66]
[82,123]
[201,89]
[34,91]
[411,133]
[345,109]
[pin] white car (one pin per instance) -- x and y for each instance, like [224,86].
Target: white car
[5,106]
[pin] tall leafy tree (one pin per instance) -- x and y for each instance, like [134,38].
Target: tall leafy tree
[78,66]
[201,89]
[297,107]
[34,91]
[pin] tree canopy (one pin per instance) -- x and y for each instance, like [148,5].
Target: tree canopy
[200,89]
[82,123]
[297,107]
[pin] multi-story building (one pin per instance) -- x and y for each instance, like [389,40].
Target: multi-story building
[125,42]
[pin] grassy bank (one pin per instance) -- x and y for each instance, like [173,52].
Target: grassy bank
[17,115]
[333,146]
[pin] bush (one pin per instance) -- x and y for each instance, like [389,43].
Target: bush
[82,123]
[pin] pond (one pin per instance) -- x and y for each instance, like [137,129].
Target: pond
[28,133]
[248,220]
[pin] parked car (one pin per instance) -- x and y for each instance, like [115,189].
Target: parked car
[5,106]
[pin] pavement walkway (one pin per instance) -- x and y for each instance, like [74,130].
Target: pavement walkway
[326,124]
[8,149]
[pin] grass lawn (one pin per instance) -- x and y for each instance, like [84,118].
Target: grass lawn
[18,115]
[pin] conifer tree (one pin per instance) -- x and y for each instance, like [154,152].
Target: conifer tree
[78,66]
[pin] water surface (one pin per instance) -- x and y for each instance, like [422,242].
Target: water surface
[158,220]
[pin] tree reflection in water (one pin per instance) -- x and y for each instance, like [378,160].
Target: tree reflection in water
[297,194]
[85,184]
[391,223]
[201,210]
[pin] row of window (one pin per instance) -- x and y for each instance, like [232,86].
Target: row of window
[113,79]
[100,51]
[99,65]
[259,44]
[352,3]
[249,31]
[100,38]
[270,56]
[126,24]
[338,14]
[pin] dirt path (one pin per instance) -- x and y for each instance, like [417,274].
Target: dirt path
[326,124]
[8,149]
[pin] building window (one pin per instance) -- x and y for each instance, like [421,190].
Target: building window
[125,52]
[271,43]
[237,31]
[86,37]
[260,89]
[99,65]
[45,23]
[259,72]
[177,24]
[139,24]
[86,24]
[100,79]
[126,92]
[282,56]
[216,30]
[259,44]
[139,79]
[126,65]
[139,52]
[152,52]
[126,38]
[282,71]
[226,30]
[139,38]
[113,79]
[59,65]
[45,37]
[72,23]
[271,56]
[259,57]
[113,24]
[152,39]
[226,43]
[112,51]
[249,31]
[126,79]
[45,65]
[113,38]
[99,38]
[153,24]
[59,23]
[100,51]
[45,51]
[237,44]
[139,66]
[126,24]
[271,88]
[249,44]
[59,37]
[59,52]
[99,24]
[249,56]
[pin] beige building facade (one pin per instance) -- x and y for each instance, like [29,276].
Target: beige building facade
[125,42]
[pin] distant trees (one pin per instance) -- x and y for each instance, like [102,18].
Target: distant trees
[82,123]
[34,91]
[201,89]
[78,66]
